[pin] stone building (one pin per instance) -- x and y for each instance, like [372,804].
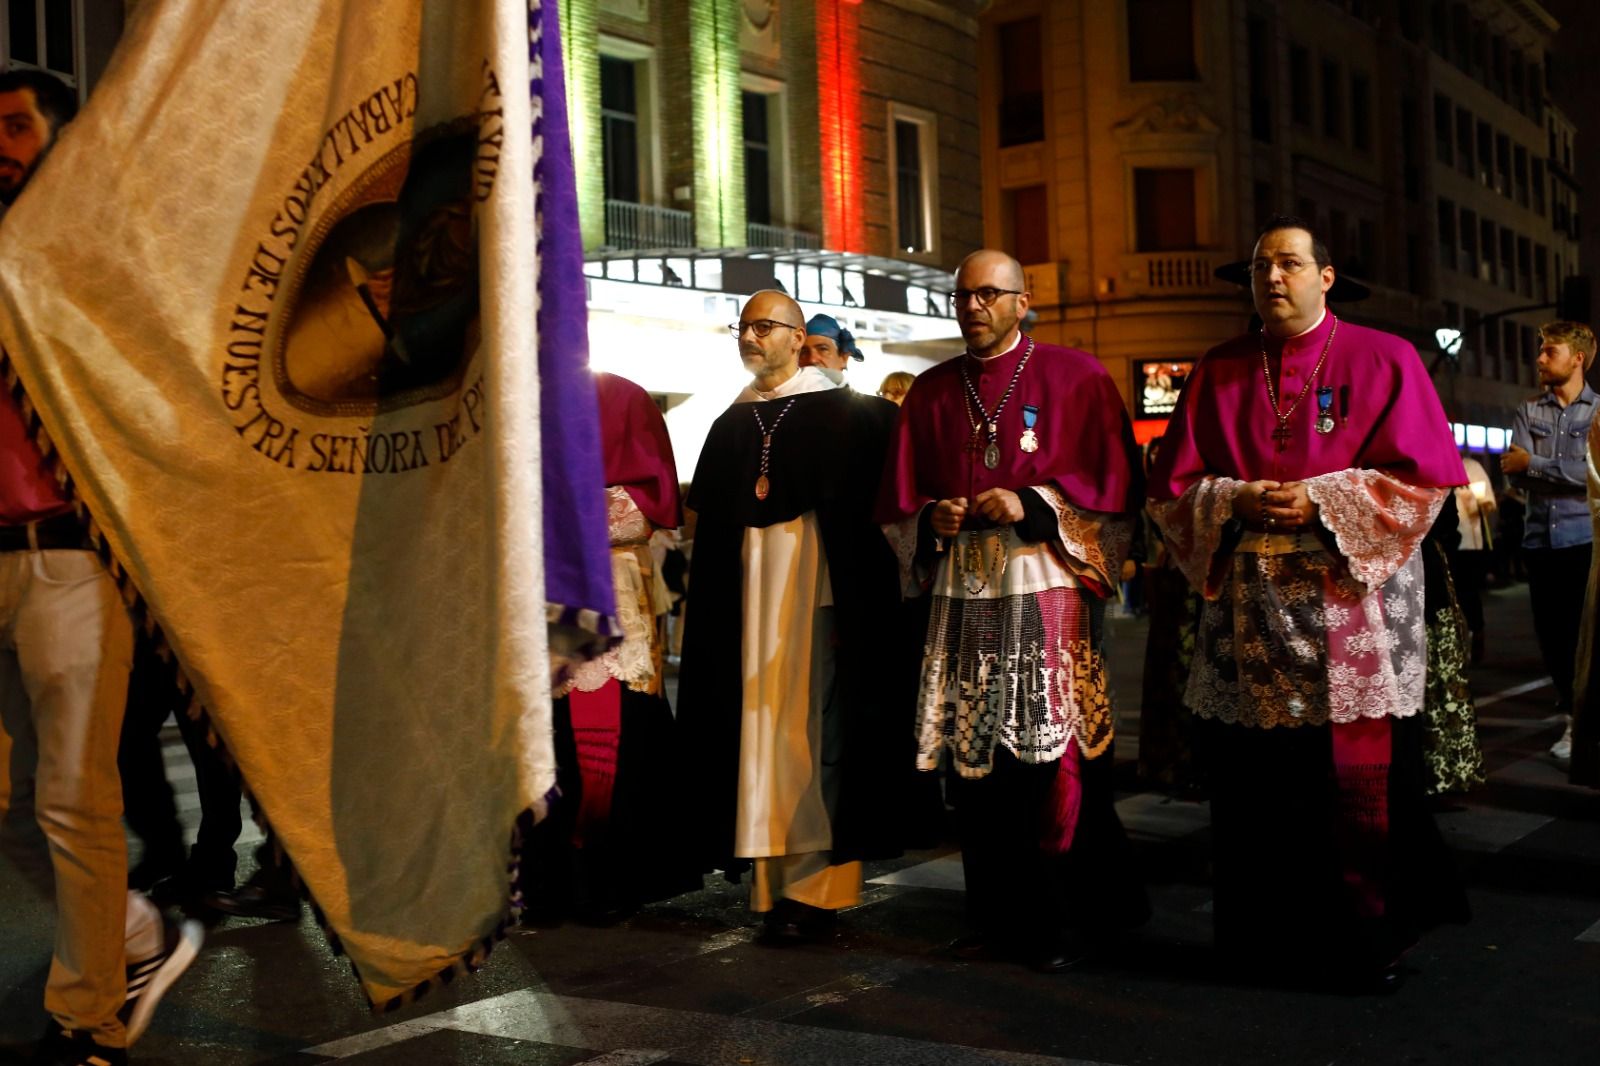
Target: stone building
[1133,147]
[826,146]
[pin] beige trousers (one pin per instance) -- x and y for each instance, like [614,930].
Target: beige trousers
[65,648]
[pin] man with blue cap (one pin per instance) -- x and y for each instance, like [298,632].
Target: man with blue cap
[828,344]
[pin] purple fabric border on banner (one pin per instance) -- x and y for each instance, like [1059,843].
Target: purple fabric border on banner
[576,545]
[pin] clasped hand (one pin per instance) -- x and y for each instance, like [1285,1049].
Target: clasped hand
[1000,506]
[1275,506]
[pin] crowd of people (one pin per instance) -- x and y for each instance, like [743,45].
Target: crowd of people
[897,607]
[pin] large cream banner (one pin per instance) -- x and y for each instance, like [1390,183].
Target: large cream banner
[272,298]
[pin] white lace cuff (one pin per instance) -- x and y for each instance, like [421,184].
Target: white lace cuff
[1192,527]
[1376,520]
[1095,543]
[902,538]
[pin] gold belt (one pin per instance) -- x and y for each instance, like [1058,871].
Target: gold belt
[1279,543]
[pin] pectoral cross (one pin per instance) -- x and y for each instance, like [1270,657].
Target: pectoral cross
[1282,435]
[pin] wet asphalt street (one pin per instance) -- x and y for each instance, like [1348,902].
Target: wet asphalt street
[683,981]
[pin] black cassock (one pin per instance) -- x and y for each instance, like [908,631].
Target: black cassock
[826,456]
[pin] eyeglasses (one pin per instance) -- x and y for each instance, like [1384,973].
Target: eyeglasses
[1285,266]
[761,327]
[985,296]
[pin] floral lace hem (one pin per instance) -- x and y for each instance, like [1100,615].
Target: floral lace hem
[1295,640]
[1377,521]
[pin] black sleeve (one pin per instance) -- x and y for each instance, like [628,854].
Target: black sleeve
[1038,518]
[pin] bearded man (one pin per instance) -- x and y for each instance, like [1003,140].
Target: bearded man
[786,710]
[1009,494]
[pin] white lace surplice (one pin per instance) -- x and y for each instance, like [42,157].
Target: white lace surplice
[1012,656]
[641,598]
[1308,637]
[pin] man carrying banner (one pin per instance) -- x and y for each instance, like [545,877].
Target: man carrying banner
[1008,493]
[1300,472]
[66,645]
[787,708]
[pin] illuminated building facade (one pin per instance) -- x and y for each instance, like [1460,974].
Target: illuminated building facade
[826,146]
[1131,147]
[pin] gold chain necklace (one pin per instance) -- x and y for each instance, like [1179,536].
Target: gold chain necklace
[1282,434]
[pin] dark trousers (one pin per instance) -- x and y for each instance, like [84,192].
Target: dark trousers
[147,798]
[148,805]
[1281,896]
[1557,579]
[1022,895]
[1470,571]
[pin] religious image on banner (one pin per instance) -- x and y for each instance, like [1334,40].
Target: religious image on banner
[385,310]
[296,306]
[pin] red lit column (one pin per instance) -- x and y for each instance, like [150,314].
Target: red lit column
[839,111]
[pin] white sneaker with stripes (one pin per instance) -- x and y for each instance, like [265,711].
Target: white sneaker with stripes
[150,977]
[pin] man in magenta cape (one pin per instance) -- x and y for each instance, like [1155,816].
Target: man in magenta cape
[1007,494]
[1302,468]
[607,846]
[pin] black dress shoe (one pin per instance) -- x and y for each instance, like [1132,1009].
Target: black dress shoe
[781,934]
[1051,956]
[1385,981]
[254,901]
[973,947]
[790,922]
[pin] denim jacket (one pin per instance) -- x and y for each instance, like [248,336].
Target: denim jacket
[1557,439]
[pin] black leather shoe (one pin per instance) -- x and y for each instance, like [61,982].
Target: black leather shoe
[1052,956]
[975,947]
[254,901]
[781,934]
[1385,981]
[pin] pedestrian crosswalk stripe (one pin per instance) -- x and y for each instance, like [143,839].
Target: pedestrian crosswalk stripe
[1481,702]
[688,1036]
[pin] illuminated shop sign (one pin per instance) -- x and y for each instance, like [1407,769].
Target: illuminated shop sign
[1157,383]
[1481,438]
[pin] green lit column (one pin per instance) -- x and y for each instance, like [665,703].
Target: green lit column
[580,47]
[719,211]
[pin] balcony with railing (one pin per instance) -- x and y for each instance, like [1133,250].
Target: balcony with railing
[760,235]
[639,226]
[1170,274]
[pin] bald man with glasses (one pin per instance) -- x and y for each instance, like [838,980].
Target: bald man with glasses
[795,756]
[1009,494]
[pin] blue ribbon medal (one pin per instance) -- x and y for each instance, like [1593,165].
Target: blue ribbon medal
[1030,440]
[1325,409]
